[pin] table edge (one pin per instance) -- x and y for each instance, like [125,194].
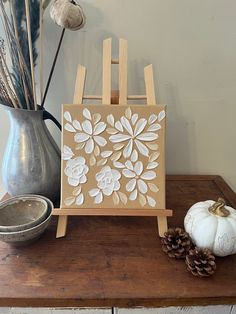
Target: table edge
[120,303]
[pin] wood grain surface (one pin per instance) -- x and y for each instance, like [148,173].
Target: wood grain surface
[116,261]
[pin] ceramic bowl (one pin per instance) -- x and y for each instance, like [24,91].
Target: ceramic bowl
[22,212]
[24,237]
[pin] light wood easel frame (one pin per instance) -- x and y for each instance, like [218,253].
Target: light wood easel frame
[111,97]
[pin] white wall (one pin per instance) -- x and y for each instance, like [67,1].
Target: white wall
[192,45]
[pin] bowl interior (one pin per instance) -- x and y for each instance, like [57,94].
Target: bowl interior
[22,211]
[27,236]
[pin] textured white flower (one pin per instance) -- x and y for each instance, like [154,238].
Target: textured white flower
[107,183]
[91,133]
[76,171]
[133,133]
[134,170]
[67,153]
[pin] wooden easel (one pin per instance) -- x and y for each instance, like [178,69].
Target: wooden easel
[114,97]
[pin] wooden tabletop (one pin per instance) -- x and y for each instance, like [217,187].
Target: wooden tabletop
[116,261]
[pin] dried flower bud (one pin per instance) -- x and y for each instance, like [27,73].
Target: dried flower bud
[67,14]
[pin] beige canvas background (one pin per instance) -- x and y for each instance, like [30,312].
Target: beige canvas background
[68,140]
[192,45]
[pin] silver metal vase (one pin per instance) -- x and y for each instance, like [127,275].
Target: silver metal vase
[31,163]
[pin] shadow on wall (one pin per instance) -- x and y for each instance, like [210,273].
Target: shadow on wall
[181,134]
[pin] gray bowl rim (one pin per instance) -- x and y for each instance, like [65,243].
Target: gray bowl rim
[49,215]
[24,226]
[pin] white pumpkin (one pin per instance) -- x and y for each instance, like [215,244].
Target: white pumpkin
[212,225]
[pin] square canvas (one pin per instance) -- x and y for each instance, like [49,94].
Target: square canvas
[113,156]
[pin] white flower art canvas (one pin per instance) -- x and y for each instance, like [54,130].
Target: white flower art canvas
[113,157]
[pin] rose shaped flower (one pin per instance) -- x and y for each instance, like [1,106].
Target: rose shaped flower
[107,183]
[76,171]
[108,180]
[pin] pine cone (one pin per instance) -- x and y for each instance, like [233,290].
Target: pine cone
[201,262]
[176,243]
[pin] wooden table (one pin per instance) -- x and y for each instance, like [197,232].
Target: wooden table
[116,261]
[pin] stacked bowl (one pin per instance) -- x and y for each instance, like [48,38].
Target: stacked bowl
[24,218]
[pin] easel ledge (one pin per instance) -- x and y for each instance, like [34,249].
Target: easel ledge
[111,212]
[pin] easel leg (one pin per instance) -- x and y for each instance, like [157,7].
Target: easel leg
[61,226]
[162,225]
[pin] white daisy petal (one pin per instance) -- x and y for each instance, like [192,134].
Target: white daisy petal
[119,138]
[67,116]
[128,113]
[138,168]
[126,125]
[119,126]
[118,164]
[93,192]
[129,165]
[128,149]
[106,153]
[110,119]
[152,118]
[87,114]
[152,165]
[77,125]
[81,137]
[133,195]
[161,115]
[87,127]
[142,186]
[69,201]
[67,153]
[100,140]
[80,199]
[99,198]
[134,156]
[67,149]
[68,127]
[131,185]
[116,174]
[147,137]
[154,127]
[154,156]
[89,147]
[134,118]
[151,201]
[142,148]
[128,173]
[99,128]
[140,126]
[148,175]
[96,118]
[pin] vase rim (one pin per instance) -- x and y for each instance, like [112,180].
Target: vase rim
[8,108]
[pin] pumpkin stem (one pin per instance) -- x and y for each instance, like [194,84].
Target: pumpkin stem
[218,208]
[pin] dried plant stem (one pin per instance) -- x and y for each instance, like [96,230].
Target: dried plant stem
[6,84]
[12,39]
[53,67]
[8,75]
[41,63]
[19,57]
[27,11]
